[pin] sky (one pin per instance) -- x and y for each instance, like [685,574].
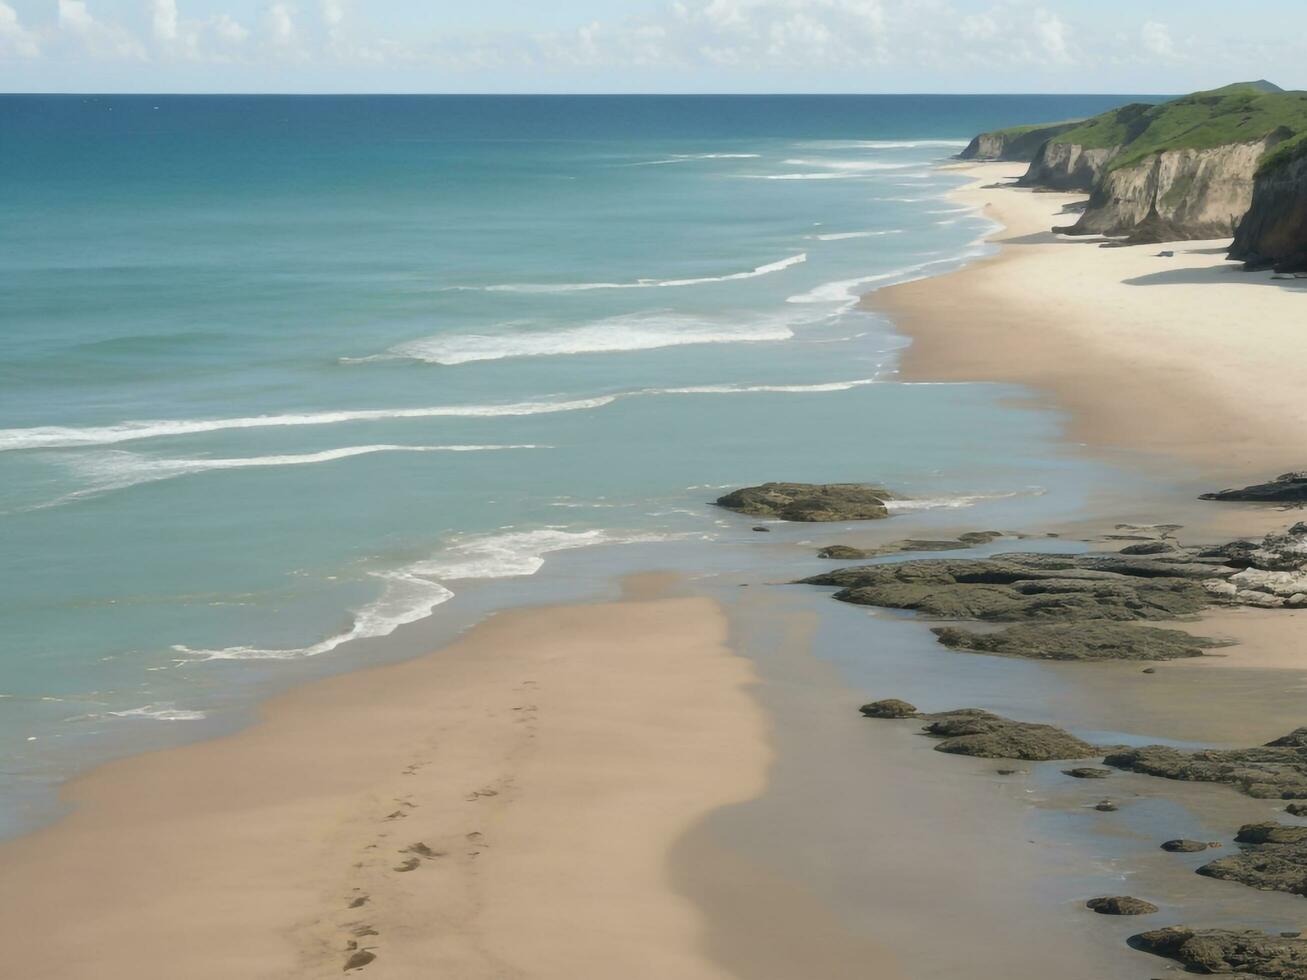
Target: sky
[1128,46]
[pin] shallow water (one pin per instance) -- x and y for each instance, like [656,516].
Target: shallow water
[280,376]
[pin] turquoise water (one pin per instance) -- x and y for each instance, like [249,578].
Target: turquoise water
[277,374]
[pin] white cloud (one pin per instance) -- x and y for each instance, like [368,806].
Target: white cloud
[15,39]
[1052,36]
[228,30]
[280,24]
[98,38]
[333,12]
[164,18]
[1157,39]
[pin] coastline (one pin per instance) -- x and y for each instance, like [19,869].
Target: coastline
[1122,339]
[524,778]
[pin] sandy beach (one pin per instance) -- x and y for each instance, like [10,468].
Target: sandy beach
[501,808]
[1186,356]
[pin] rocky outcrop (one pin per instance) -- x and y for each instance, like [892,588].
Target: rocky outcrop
[1277,770]
[1019,143]
[1243,952]
[810,501]
[1079,641]
[1030,587]
[1060,166]
[971,731]
[1272,857]
[1182,845]
[889,708]
[1288,488]
[843,552]
[1274,231]
[1174,195]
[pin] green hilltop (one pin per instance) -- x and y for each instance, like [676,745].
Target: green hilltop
[1238,113]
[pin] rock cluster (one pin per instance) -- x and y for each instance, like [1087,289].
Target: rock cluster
[971,731]
[810,501]
[1245,952]
[1288,488]
[1272,857]
[844,552]
[1032,587]
[1272,574]
[1087,641]
[1277,770]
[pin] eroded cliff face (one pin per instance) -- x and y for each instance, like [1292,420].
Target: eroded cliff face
[1274,231]
[1068,167]
[1174,195]
[1014,145]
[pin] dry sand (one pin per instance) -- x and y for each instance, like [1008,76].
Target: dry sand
[1184,356]
[534,776]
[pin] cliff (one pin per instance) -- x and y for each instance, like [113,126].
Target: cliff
[1175,194]
[1182,169]
[1274,231]
[1017,143]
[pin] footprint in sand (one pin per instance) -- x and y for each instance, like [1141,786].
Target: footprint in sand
[422,850]
[362,929]
[409,865]
[359,902]
[359,959]
[396,815]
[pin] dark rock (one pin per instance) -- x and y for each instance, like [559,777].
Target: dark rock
[971,731]
[1296,809]
[1290,488]
[1149,670]
[1246,952]
[1183,845]
[1087,772]
[963,542]
[1035,587]
[1242,951]
[842,552]
[762,530]
[1270,832]
[1007,772]
[1079,641]
[979,537]
[1121,905]
[810,501]
[1274,771]
[1105,806]
[889,708]
[1150,548]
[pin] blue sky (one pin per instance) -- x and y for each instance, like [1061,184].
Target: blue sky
[648,45]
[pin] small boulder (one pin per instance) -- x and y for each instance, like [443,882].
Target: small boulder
[810,501]
[1296,809]
[1183,845]
[762,530]
[1087,772]
[1121,905]
[889,708]
[1105,806]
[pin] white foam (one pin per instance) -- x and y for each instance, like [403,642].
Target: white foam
[776,389]
[411,593]
[848,291]
[826,175]
[117,469]
[631,332]
[57,436]
[839,236]
[954,503]
[579,287]
[859,166]
[688,157]
[159,712]
[881,144]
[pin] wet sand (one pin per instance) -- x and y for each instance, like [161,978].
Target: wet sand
[501,808]
[1185,357]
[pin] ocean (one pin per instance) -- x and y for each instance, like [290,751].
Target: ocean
[281,377]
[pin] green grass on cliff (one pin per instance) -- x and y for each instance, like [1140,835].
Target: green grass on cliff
[1237,113]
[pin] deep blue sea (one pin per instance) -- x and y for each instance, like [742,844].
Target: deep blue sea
[281,373]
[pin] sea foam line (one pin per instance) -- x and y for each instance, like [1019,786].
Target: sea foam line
[412,592]
[59,436]
[839,236]
[578,287]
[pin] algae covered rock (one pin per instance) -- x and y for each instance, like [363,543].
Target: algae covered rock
[810,501]
[1246,952]
[1183,845]
[1277,770]
[889,708]
[1272,857]
[1078,641]
[1288,488]
[971,731]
